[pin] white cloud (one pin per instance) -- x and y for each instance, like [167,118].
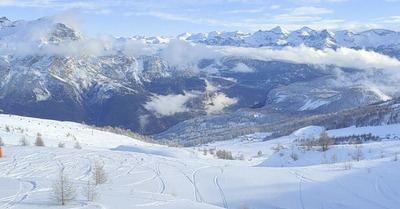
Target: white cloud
[169,16]
[343,57]
[182,53]
[316,1]
[391,19]
[218,103]
[137,48]
[288,18]
[300,14]
[251,11]
[376,70]
[31,38]
[143,121]
[170,104]
[274,7]
[128,14]
[337,0]
[69,17]
[103,11]
[309,11]
[242,68]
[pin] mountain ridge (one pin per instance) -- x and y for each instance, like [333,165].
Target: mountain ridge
[50,70]
[279,37]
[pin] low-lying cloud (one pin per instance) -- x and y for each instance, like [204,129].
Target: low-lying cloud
[342,57]
[170,104]
[242,68]
[219,102]
[179,52]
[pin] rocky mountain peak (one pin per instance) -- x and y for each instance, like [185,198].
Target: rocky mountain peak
[5,22]
[63,33]
[280,30]
[4,19]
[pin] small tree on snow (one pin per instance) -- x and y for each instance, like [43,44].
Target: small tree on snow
[90,191]
[325,141]
[99,175]
[223,154]
[395,158]
[23,141]
[61,145]
[39,141]
[63,190]
[358,154]
[77,145]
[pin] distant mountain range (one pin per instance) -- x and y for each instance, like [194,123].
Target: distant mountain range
[48,69]
[375,39]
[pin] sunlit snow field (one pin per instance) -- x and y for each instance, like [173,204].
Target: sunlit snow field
[143,175]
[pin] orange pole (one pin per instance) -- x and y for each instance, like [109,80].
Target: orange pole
[1,153]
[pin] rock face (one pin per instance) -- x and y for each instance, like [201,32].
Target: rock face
[50,70]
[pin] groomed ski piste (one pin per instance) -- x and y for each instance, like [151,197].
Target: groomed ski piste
[144,175]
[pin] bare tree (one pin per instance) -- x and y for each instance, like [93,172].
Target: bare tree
[334,158]
[99,175]
[24,142]
[223,154]
[395,158]
[358,154]
[278,147]
[309,142]
[77,145]
[39,141]
[61,145]
[90,191]
[347,165]
[325,141]
[63,190]
[294,156]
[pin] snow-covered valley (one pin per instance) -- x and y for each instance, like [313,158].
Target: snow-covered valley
[144,175]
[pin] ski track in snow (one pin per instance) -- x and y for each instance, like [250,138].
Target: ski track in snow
[25,189]
[216,183]
[385,189]
[197,195]
[358,196]
[157,175]
[158,172]
[27,173]
[298,174]
[301,176]
[14,164]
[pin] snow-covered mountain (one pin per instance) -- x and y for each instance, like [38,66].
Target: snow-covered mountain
[51,70]
[379,40]
[257,96]
[374,39]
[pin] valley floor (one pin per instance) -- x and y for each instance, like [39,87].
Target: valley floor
[142,175]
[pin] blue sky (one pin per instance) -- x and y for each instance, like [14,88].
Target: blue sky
[173,17]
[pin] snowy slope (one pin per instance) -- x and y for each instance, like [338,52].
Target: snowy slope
[142,175]
[374,39]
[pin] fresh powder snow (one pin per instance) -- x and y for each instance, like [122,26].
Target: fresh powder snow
[144,175]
